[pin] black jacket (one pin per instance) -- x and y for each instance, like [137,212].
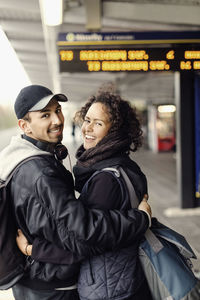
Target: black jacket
[45,206]
[118,274]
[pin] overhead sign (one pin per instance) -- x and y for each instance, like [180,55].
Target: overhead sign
[95,60]
[127,51]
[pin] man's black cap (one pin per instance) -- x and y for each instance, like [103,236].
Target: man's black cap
[34,98]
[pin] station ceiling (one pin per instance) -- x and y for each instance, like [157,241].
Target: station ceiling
[36,48]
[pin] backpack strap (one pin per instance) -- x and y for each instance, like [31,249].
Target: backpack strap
[132,194]
[112,171]
[153,241]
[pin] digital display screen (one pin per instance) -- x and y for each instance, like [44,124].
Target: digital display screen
[129,51]
[117,60]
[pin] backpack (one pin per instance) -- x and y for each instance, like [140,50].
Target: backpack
[165,257]
[12,262]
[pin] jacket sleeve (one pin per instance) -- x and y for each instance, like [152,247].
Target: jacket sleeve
[45,251]
[63,220]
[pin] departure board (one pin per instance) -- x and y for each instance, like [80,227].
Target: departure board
[129,60]
[129,55]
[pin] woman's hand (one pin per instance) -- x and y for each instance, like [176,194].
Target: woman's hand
[23,244]
[144,205]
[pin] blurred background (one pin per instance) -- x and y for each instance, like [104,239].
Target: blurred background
[41,42]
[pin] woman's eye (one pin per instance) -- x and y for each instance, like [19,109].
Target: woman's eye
[99,124]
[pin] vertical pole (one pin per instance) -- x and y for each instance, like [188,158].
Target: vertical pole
[93,14]
[197,138]
[184,99]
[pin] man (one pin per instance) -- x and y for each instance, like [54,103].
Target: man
[42,194]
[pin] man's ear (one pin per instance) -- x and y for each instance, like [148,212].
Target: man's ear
[24,126]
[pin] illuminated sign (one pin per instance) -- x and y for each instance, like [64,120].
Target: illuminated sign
[127,51]
[152,59]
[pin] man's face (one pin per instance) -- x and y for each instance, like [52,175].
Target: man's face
[46,125]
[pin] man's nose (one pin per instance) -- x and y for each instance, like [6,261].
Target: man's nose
[56,120]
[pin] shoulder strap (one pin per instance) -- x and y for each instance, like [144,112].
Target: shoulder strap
[112,169]
[131,191]
[14,170]
[152,239]
[114,172]
[132,194]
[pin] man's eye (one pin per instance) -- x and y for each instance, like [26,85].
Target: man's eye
[86,121]
[58,110]
[45,116]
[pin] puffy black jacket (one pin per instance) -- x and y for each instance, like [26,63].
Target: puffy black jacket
[42,191]
[118,274]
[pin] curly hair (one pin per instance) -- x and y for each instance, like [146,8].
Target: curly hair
[123,117]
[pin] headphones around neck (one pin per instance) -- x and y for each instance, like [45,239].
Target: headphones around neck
[59,150]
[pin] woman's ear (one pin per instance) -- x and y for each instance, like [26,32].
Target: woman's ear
[24,126]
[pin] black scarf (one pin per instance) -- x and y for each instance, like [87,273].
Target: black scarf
[109,151]
[111,145]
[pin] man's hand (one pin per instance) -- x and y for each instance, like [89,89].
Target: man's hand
[23,244]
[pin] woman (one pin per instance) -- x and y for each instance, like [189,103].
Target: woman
[110,130]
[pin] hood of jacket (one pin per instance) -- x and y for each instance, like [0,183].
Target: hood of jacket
[15,152]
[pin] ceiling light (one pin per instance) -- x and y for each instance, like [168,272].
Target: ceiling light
[52,12]
[166,108]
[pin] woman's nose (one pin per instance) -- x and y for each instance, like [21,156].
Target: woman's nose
[89,127]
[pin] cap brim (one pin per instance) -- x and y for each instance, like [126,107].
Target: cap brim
[44,102]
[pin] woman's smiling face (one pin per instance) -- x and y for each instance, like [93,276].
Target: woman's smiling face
[96,125]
